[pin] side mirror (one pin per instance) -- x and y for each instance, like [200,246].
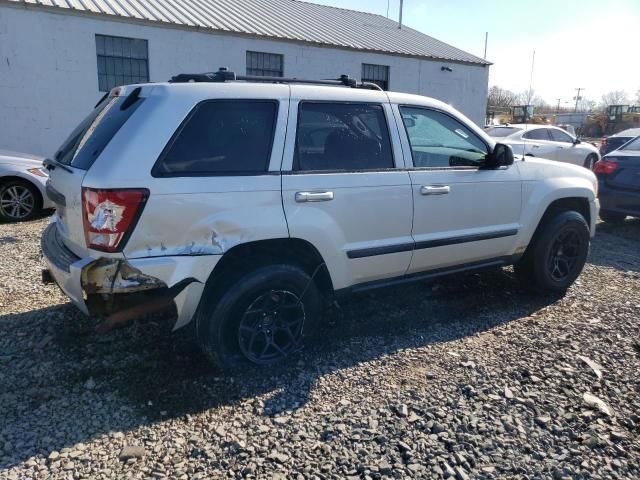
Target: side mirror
[576,141]
[502,156]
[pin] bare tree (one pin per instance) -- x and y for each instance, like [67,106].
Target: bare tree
[615,97]
[501,97]
[587,105]
[529,97]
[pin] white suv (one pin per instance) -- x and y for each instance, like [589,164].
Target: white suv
[249,206]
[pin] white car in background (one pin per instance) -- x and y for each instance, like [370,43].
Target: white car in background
[22,186]
[546,141]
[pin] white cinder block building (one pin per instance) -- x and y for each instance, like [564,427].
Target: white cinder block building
[58,57]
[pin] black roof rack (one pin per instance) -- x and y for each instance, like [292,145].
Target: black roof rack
[224,75]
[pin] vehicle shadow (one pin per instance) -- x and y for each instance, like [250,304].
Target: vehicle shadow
[59,381]
[616,246]
[43,214]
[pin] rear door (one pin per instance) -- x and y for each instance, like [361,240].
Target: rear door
[343,186]
[78,153]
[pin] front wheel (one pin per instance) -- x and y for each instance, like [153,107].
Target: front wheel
[557,254]
[262,318]
[19,200]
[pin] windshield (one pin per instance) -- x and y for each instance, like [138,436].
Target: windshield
[500,132]
[632,145]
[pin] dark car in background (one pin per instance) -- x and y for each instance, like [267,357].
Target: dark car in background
[615,141]
[619,182]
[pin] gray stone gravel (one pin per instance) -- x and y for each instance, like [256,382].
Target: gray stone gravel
[471,377]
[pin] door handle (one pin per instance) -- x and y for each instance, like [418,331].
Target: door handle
[535,146]
[435,189]
[302,197]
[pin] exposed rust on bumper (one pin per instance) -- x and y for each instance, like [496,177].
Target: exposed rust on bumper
[114,275]
[119,292]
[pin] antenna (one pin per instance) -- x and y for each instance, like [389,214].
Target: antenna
[533,61]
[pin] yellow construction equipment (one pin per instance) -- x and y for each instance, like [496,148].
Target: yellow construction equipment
[615,119]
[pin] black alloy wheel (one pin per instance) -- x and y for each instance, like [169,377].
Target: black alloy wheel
[271,327]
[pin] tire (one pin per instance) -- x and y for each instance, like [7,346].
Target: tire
[546,265]
[263,317]
[590,160]
[19,201]
[612,217]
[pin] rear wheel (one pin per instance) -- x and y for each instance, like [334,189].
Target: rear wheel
[557,254]
[261,319]
[612,217]
[19,200]
[590,160]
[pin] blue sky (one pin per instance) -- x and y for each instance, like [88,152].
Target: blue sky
[579,43]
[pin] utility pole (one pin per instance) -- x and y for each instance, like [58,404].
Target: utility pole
[578,98]
[558,109]
[400,20]
[486,40]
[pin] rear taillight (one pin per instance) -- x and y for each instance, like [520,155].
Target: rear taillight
[110,216]
[605,167]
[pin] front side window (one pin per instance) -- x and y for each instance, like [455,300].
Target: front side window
[559,136]
[378,74]
[440,141]
[121,61]
[262,64]
[221,138]
[537,134]
[342,136]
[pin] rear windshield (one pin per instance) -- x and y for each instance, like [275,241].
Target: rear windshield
[632,145]
[501,131]
[90,138]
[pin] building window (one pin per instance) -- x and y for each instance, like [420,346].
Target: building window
[378,74]
[121,61]
[265,64]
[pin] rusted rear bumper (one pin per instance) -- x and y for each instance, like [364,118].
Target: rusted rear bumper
[117,290]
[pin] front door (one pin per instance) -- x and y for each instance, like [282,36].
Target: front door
[341,189]
[463,214]
[538,142]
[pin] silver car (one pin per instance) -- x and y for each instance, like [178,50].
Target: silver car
[22,186]
[546,141]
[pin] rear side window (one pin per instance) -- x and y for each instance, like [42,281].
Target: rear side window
[501,132]
[94,133]
[221,138]
[342,136]
[632,145]
[538,134]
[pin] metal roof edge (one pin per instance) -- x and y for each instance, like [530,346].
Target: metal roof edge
[164,24]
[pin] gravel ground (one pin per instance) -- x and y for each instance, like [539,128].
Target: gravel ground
[470,377]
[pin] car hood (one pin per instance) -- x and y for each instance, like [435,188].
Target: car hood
[534,168]
[20,159]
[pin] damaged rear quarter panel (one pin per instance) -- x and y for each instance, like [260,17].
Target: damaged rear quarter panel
[234,210]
